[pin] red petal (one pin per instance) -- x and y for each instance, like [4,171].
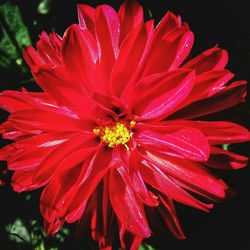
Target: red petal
[107,30]
[226,98]
[176,45]
[103,218]
[190,173]
[41,120]
[168,23]
[207,84]
[31,57]
[128,240]
[44,101]
[86,17]
[168,91]
[52,161]
[47,51]
[130,54]
[130,15]
[159,180]
[28,158]
[9,132]
[187,142]
[61,185]
[169,215]
[212,59]
[56,41]
[222,159]
[92,173]
[219,132]
[23,181]
[80,54]
[13,101]
[59,84]
[137,182]
[127,207]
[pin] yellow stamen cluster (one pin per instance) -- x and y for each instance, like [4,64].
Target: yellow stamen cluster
[115,134]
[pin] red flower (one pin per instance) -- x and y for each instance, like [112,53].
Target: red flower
[116,129]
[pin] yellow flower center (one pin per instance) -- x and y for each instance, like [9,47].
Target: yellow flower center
[116,134]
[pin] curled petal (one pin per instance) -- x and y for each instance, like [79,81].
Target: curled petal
[130,15]
[128,240]
[223,159]
[212,59]
[207,84]
[168,23]
[226,98]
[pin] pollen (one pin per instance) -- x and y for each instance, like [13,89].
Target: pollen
[115,134]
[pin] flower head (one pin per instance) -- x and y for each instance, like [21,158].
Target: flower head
[121,128]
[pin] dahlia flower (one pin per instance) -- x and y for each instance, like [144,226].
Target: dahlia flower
[120,129]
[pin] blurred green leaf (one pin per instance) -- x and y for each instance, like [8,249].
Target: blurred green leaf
[18,231]
[145,247]
[14,35]
[44,7]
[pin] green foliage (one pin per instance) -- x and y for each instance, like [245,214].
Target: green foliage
[145,247]
[14,36]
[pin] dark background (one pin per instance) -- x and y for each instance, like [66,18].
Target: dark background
[213,22]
